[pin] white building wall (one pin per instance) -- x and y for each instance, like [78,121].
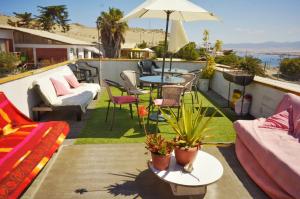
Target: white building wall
[70,55]
[80,53]
[88,55]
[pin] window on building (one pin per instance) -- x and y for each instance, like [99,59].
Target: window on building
[3,47]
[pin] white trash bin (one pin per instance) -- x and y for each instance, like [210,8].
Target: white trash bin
[246,105]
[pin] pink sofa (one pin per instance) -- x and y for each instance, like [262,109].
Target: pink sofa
[271,155]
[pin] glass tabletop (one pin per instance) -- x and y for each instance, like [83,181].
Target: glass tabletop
[172,71]
[158,80]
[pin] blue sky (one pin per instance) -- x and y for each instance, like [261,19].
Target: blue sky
[242,20]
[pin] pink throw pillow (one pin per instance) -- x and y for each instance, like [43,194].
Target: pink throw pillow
[72,80]
[277,121]
[60,88]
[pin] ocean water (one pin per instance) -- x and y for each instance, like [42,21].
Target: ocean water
[269,59]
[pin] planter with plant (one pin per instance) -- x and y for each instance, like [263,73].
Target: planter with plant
[160,151]
[191,129]
[159,147]
[207,73]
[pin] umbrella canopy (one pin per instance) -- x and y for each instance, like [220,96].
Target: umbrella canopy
[178,37]
[183,10]
[148,50]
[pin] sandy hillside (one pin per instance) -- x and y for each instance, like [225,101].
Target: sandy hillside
[132,36]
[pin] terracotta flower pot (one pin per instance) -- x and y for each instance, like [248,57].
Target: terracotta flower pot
[160,162]
[184,156]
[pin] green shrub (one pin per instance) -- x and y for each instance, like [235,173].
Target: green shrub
[202,52]
[230,60]
[290,66]
[159,49]
[209,70]
[8,62]
[252,65]
[188,52]
[249,63]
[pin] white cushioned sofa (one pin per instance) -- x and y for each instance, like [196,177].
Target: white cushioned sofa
[78,100]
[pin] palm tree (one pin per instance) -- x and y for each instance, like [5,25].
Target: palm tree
[24,20]
[53,15]
[206,39]
[112,31]
[218,45]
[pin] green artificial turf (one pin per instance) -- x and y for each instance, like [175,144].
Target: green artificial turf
[126,130]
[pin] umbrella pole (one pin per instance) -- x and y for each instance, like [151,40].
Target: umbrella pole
[168,12]
[171,62]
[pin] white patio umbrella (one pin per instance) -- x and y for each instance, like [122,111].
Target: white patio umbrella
[183,10]
[178,38]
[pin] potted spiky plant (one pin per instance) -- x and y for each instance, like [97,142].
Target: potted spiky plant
[160,151]
[191,129]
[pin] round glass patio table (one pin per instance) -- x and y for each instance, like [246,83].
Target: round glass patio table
[157,80]
[207,170]
[173,71]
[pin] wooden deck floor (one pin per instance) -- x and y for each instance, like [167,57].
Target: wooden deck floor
[120,171]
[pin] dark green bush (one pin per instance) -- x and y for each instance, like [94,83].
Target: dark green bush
[252,65]
[249,63]
[290,66]
[230,60]
[159,49]
[188,52]
[8,62]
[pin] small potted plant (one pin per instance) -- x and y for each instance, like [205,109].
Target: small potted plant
[159,147]
[160,151]
[191,129]
[207,73]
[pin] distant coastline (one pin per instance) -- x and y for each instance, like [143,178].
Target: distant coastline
[269,48]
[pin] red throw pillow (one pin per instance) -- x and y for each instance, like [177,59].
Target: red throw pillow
[72,80]
[60,88]
[278,121]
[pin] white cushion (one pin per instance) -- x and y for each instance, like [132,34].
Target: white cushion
[81,96]
[94,88]
[47,89]
[81,99]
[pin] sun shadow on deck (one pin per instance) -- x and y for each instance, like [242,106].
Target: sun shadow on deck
[231,159]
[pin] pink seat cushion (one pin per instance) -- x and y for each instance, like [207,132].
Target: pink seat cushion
[72,80]
[124,99]
[60,88]
[278,121]
[166,102]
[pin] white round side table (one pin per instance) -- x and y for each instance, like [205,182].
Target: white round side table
[207,170]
